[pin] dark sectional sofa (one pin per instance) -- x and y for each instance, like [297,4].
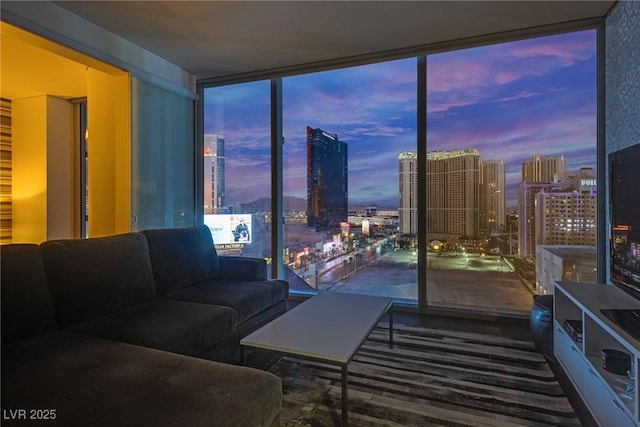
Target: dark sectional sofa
[132,329]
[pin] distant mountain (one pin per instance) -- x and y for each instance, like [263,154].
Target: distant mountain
[260,205]
[294,204]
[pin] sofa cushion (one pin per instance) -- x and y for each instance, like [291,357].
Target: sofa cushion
[175,326]
[95,382]
[247,298]
[242,268]
[89,278]
[27,308]
[181,257]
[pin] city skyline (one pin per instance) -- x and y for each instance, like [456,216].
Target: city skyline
[510,101]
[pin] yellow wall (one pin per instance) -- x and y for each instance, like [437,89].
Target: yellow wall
[109,147]
[42,205]
[39,77]
[29,156]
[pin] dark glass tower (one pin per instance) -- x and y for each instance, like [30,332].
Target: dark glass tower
[326,179]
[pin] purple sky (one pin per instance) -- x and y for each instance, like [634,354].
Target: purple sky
[510,101]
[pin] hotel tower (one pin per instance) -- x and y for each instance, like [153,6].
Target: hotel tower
[408,192]
[326,179]
[492,196]
[453,183]
[538,174]
[214,200]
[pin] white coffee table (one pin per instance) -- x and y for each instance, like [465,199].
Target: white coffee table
[329,327]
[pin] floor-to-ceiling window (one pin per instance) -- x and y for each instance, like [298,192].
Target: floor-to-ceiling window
[237,168]
[347,136]
[508,164]
[511,169]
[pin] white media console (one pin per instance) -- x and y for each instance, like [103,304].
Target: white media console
[611,398]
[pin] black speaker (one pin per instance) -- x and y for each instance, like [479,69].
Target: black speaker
[616,361]
[541,325]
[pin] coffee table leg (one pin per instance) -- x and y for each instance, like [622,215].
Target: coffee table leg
[345,395]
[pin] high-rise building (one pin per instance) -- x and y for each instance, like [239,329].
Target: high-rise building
[214,200]
[453,182]
[537,174]
[511,236]
[461,185]
[492,196]
[408,195]
[566,213]
[543,168]
[527,216]
[327,171]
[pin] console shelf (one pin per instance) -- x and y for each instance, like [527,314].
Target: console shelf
[612,399]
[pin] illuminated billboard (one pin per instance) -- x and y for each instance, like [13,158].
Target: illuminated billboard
[365,227]
[229,229]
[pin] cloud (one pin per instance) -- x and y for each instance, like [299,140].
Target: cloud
[510,101]
[518,96]
[436,105]
[246,161]
[379,130]
[563,50]
[466,77]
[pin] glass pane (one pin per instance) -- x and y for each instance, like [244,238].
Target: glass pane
[511,169]
[163,158]
[237,168]
[345,134]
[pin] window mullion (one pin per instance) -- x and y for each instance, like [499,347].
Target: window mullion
[277,210]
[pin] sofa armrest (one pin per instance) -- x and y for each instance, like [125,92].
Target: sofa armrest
[242,268]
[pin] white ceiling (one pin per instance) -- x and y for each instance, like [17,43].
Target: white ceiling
[217,38]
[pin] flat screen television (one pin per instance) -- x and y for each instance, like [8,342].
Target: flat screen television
[624,198]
